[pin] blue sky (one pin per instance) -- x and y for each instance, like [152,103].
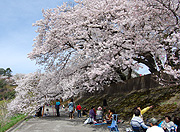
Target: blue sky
[17,33]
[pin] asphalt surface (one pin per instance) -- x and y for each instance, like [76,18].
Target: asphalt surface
[52,123]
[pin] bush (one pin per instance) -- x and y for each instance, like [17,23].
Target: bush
[2,83]
[9,95]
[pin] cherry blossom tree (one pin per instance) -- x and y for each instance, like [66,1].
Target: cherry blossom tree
[160,29]
[26,94]
[114,35]
[93,43]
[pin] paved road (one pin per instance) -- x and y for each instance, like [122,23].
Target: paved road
[60,124]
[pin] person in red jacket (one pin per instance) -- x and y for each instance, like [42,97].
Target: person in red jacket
[78,108]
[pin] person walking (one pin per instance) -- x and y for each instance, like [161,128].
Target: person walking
[57,107]
[78,108]
[71,108]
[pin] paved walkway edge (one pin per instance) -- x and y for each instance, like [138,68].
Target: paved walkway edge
[18,124]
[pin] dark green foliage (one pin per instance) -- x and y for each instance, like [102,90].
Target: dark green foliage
[8,72]
[2,83]
[2,71]
[6,92]
[9,95]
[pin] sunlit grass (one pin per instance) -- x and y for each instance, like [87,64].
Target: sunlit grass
[5,122]
[13,120]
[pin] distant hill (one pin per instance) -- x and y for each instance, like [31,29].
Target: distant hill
[6,88]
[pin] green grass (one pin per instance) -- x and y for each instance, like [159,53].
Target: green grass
[8,94]
[164,99]
[1,102]
[13,120]
[5,125]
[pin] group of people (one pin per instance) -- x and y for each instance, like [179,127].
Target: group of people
[70,106]
[167,125]
[137,122]
[71,109]
[96,115]
[99,115]
[93,113]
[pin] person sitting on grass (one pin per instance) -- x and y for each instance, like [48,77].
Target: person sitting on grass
[177,122]
[47,112]
[154,126]
[85,111]
[99,114]
[143,110]
[109,116]
[137,122]
[92,114]
[168,125]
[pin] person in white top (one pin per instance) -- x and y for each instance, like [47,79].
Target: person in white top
[154,127]
[168,125]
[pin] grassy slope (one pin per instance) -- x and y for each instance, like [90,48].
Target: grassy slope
[7,92]
[166,100]
[15,119]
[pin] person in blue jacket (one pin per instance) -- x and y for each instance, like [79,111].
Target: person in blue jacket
[71,108]
[57,107]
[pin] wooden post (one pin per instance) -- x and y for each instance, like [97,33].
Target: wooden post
[43,110]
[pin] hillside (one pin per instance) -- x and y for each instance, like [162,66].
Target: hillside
[6,90]
[166,101]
